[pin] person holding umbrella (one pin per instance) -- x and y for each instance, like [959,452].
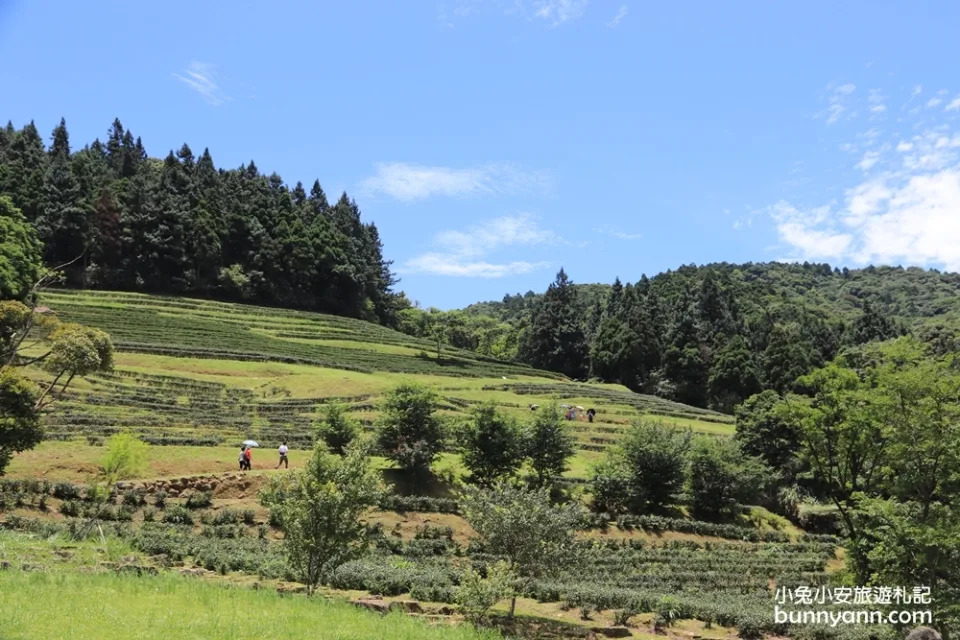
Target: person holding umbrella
[248,453]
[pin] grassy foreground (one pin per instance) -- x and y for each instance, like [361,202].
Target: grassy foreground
[51,606]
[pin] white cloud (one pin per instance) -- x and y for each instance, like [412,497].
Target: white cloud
[954,105]
[909,213]
[917,90]
[202,78]
[440,264]
[407,182]
[559,11]
[933,102]
[811,232]
[617,233]
[876,101]
[466,253]
[869,159]
[621,14]
[837,102]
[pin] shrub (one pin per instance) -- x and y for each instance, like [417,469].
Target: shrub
[646,472]
[66,491]
[721,477]
[199,500]
[337,429]
[411,434]
[71,508]
[178,514]
[492,445]
[160,499]
[226,516]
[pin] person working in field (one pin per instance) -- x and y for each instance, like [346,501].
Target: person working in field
[283,456]
[248,456]
[243,458]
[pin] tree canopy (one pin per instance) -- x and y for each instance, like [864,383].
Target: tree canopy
[180,225]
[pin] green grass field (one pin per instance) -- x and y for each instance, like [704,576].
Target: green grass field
[191,372]
[53,606]
[198,377]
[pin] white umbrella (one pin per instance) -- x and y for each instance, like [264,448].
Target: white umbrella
[250,443]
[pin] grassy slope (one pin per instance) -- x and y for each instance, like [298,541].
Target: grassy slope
[42,606]
[189,369]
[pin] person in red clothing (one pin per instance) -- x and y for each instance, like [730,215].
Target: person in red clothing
[248,454]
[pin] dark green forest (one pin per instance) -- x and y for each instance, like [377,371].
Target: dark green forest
[710,335]
[120,219]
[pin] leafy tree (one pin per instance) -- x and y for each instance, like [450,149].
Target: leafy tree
[843,439]
[684,359]
[901,544]
[787,357]
[549,443]
[762,431]
[492,445]
[19,420]
[721,477]
[555,339]
[319,510]
[20,253]
[534,536]
[75,350]
[337,429]
[645,472]
[734,375]
[477,593]
[872,325]
[410,432]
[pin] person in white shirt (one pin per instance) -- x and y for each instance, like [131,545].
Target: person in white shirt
[283,456]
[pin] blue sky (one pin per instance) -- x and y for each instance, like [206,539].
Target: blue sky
[493,141]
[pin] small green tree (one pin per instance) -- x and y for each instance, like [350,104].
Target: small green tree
[476,594]
[410,433]
[19,421]
[549,443]
[492,445]
[535,536]
[721,477]
[126,457]
[645,472]
[319,510]
[762,431]
[337,429]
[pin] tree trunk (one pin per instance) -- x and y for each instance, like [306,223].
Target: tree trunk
[513,606]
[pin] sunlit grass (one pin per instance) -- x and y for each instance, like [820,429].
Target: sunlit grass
[53,606]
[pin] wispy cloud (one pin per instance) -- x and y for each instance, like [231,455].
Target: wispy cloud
[468,253]
[407,182]
[876,100]
[954,105]
[617,233]
[202,78]
[621,14]
[903,209]
[556,12]
[837,102]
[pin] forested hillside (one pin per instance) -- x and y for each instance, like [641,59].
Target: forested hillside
[124,220]
[711,335]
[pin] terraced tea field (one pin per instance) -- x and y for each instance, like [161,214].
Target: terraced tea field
[192,372]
